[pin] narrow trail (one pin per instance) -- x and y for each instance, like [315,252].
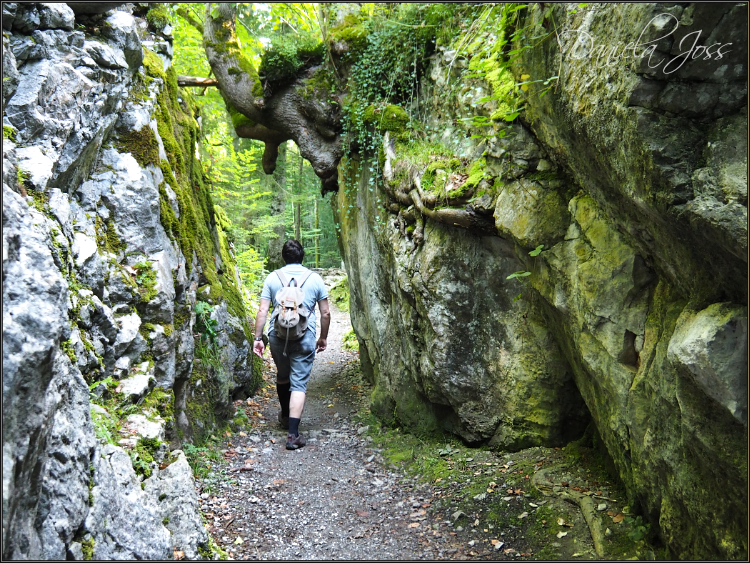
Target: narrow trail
[328,500]
[339,497]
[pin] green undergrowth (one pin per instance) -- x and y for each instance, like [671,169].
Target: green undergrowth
[489,495]
[339,294]
[350,341]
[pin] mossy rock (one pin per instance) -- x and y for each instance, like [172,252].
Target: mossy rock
[390,118]
[157,16]
[352,32]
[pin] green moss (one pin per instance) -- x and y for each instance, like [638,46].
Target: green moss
[390,118]
[288,54]
[69,349]
[143,455]
[107,237]
[157,16]
[153,65]
[352,32]
[238,119]
[168,329]
[87,547]
[160,401]
[9,133]
[142,144]
[40,199]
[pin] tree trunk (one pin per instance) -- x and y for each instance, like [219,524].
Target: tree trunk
[298,221]
[317,233]
[278,205]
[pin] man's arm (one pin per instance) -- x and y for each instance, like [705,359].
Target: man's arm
[260,322]
[325,322]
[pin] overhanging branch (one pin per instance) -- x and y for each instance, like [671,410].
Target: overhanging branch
[196,81]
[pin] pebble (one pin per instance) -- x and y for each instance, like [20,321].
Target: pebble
[602,507]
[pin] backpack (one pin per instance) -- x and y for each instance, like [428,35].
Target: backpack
[290,316]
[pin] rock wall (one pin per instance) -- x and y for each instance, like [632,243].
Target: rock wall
[633,312]
[109,242]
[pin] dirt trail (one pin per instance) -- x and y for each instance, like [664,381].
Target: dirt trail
[340,498]
[328,500]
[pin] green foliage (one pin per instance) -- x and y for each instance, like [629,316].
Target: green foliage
[105,427]
[201,459]
[339,294]
[207,349]
[288,54]
[350,341]
[207,326]
[639,528]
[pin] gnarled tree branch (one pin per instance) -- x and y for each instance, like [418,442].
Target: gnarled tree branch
[313,124]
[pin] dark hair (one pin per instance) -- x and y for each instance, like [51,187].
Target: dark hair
[293,253]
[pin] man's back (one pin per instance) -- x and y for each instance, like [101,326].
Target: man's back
[314,288]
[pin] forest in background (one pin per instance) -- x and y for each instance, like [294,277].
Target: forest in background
[257,211]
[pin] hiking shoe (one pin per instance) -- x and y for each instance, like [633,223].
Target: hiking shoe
[294,442]
[284,421]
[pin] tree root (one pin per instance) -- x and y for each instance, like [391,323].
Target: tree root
[584,502]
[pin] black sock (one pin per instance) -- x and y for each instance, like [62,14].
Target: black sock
[294,426]
[284,392]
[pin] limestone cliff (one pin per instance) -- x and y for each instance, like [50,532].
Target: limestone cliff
[633,313]
[109,245]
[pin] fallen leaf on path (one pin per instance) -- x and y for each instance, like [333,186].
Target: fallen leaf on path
[179,555]
[523,515]
[243,434]
[279,481]
[239,541]
[414,525]
[329,406]
[561,534]
[619,518]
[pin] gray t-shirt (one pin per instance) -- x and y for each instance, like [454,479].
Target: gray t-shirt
[314,288]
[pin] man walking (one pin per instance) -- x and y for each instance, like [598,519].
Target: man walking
[293,358]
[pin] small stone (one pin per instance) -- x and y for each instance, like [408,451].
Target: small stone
[608,532]
[602,507]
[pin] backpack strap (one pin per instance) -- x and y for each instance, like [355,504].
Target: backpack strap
[298,283]
[304,279]
[282,278]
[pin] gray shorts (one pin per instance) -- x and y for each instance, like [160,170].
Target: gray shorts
[296,366]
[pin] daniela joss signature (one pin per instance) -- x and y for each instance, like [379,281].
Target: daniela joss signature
[585,46]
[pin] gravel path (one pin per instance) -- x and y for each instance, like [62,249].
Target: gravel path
[338,498]
[328,500]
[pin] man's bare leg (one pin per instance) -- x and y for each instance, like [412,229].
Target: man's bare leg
[296,404]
